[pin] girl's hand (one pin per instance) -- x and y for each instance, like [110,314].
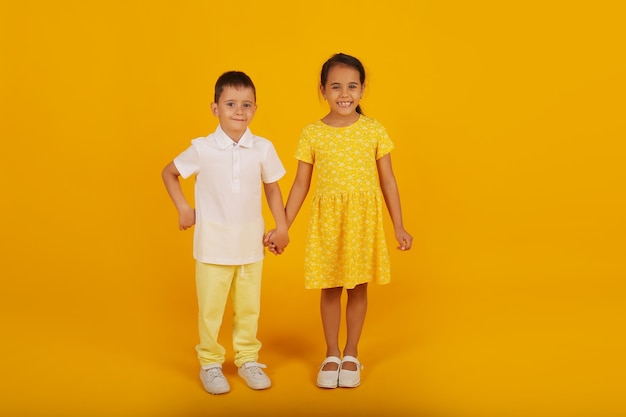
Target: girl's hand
[268,242]
[404,239]
[278,241]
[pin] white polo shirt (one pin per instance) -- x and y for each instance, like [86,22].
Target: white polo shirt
[228,197]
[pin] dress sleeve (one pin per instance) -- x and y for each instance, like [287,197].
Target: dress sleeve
[305,152]
[385,145]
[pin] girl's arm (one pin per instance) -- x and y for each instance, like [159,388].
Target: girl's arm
[298,192]
[389,188]
[279,235]
[186,213]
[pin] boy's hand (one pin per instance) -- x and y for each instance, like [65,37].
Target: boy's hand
[267,241]
[280,240]
[276,241]
[268,237]
[186,218]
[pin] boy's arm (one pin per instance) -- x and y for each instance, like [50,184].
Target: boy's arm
[297,194]
[389,188]
[279,236]
[186,213]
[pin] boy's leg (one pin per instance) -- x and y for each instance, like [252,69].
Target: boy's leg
[246,301]
[212,286]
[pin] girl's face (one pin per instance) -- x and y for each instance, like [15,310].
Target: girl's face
[343,90]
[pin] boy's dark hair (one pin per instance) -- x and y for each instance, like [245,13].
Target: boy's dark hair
[236,79]
[343,59]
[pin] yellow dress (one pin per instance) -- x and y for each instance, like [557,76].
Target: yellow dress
[345,243]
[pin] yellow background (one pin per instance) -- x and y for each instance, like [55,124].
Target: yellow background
[508,118]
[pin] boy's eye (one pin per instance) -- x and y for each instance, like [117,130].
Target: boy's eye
[230,104]
[247,105]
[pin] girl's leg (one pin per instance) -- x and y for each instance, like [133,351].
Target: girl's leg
[330,308]
[355,317]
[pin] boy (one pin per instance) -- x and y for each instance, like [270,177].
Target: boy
[229,166]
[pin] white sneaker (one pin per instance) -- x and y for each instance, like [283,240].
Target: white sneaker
[214,380]
[254,375]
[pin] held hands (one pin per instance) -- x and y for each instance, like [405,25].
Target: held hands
[276,241]
[404,239]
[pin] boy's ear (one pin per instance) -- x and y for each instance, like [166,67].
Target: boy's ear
[214,109]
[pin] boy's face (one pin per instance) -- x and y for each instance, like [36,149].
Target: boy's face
[235,109]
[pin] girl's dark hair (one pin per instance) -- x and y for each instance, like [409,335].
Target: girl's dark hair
[343,59]
[236,79]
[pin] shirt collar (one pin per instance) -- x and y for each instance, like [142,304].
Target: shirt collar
[225,142]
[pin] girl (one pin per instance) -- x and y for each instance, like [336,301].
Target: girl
[345,245]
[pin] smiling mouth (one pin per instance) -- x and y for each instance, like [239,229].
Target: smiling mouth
[344,103]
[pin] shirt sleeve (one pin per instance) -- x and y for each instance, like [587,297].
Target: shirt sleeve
[272,169]
[305,152]
[385,145]
[188,162]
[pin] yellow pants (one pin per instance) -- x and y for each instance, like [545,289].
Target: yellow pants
[213,284]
